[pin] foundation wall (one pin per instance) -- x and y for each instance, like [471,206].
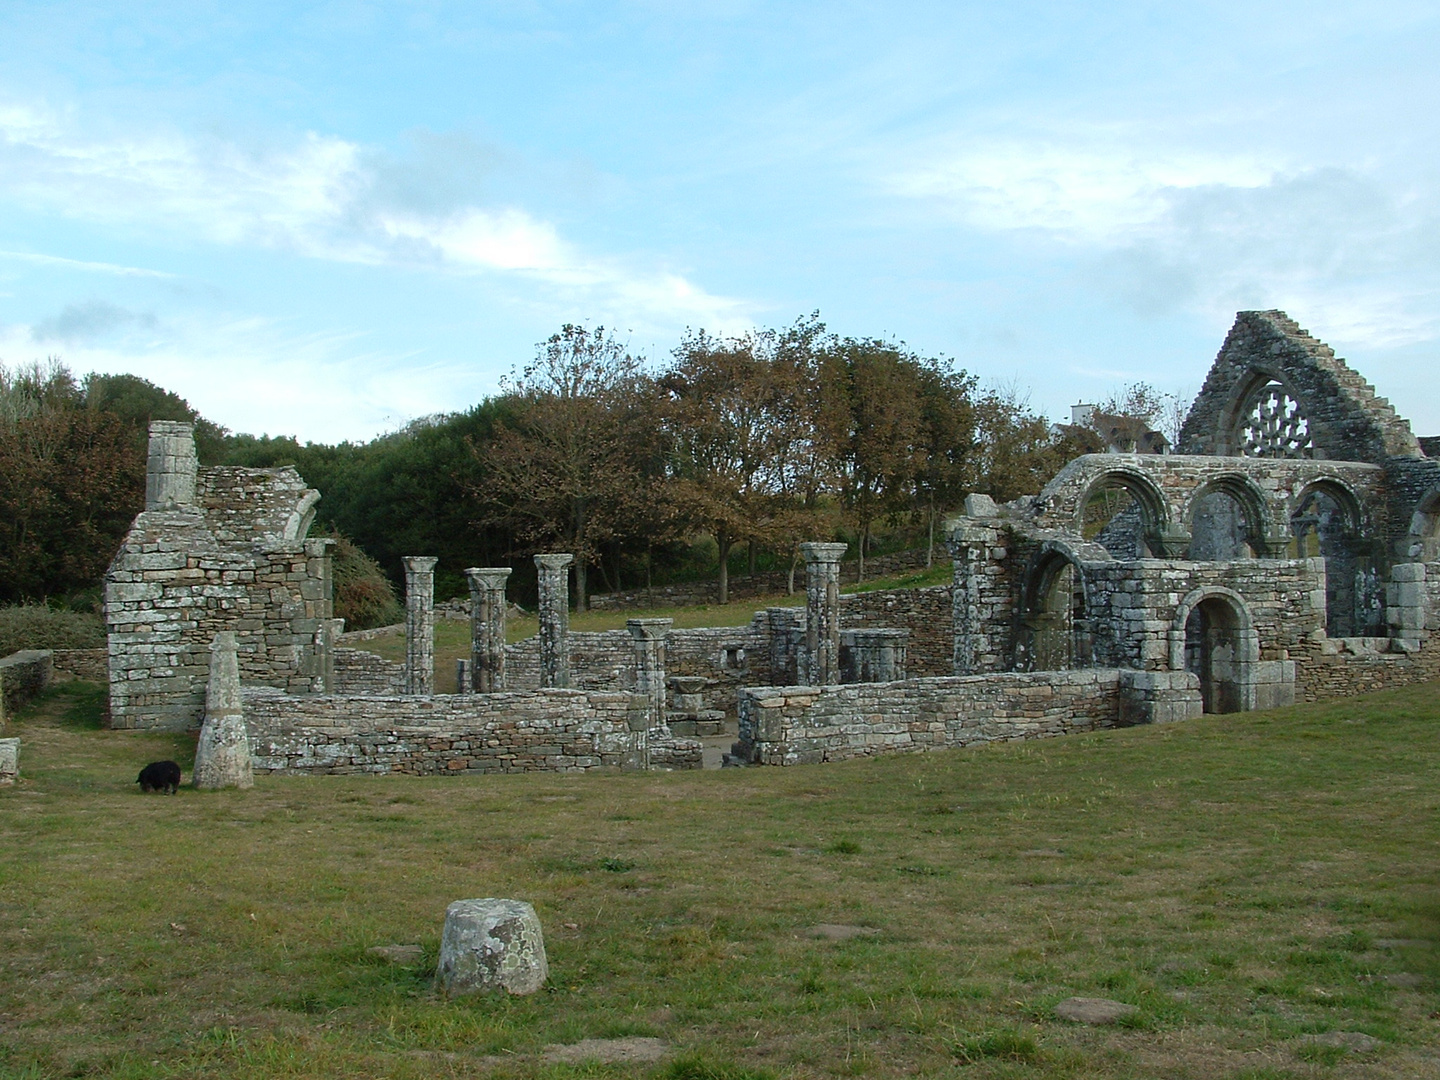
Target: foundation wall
[549,730]
[795,725]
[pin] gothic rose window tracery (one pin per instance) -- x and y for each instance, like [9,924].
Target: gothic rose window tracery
[1275,426]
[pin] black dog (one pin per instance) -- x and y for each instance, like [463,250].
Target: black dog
[160,776]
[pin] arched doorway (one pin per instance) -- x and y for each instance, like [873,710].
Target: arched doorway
[1214,652]
[1326,524]
[1214,638]
[1056,632]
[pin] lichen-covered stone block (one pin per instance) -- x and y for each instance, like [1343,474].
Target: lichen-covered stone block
[491,944]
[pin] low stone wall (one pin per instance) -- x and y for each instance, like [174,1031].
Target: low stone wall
[795,725]
[92,664]
[728,656]
[1341,667]
[450,734]
[23,675]
[360,672]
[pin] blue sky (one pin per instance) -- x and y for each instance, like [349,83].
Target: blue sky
[326,219]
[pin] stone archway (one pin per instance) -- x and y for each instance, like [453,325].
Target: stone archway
[1214,638]
[1422,542]
[1124,512]
[1228,520]
[1055,625]
[1328,523]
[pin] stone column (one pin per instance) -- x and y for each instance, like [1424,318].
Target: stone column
[222,757]
[554,574]
[487,628]
[420,624]
[822,613]
[968,546]
[171,466]
[649,637]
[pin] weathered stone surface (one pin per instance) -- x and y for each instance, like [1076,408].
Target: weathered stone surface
[549,730]
[9,760]
[873,656]
[222,757]
[487,627]
[1095,1011]
[420,624]
[223,548]
[23,675]
[798,725]
[553,571]
[648,637]
[491,944]
[821,657]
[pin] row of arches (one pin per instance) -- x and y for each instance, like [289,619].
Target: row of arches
[1124,512]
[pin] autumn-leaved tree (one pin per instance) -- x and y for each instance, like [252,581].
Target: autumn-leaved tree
[870,415]
[565,468]
[724,404]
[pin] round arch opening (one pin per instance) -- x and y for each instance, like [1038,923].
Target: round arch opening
[1215,653]
[1056,632]
[1326,524]
[1124,514]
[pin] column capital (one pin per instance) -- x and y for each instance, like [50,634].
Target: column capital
[420,564]
[554,560]
[649,629]
[816,552]
[488,577]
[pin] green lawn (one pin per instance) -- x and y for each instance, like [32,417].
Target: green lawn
[1247,881]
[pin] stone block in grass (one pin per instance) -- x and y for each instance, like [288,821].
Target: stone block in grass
[491,944]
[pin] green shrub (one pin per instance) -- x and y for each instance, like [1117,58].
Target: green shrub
[364,597]
[35,626]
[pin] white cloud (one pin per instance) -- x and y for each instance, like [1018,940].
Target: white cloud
[322,197]
[1085,192]
[1163,229]
[256,376]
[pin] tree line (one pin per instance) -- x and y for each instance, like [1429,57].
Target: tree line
[757,441]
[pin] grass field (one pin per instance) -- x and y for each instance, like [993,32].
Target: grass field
[1247,881]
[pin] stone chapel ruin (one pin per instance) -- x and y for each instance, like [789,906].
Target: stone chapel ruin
[1287,549]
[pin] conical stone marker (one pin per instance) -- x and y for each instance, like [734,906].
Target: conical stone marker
[222,760]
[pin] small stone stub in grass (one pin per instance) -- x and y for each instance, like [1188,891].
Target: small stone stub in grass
[1357,1042]
[491,944]
[606,1051]
[9,760]
[398,954]
[840,932]
[1084,1010]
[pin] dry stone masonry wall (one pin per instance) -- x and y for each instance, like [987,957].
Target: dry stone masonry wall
[187,571]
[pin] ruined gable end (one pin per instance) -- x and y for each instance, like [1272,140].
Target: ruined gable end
[214,550]
[1275,391]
